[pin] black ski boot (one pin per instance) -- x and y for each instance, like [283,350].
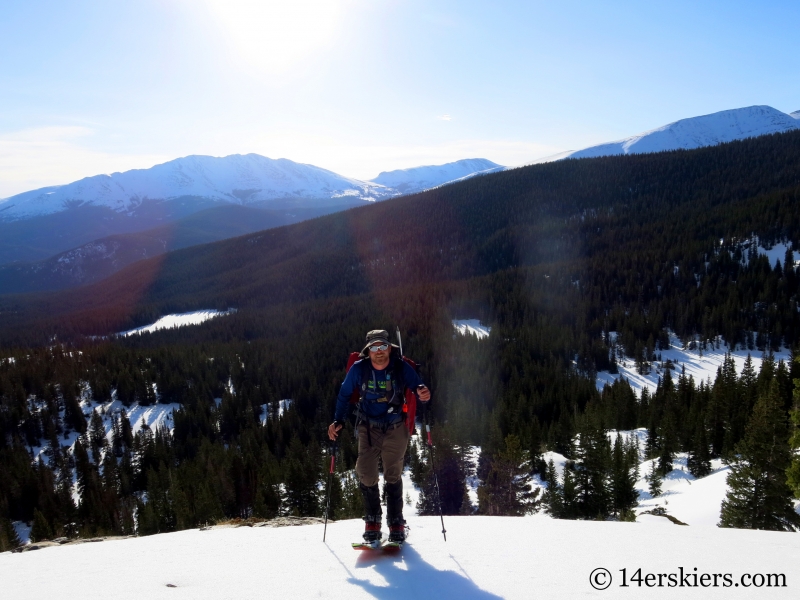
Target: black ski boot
[372,509]
[394,512]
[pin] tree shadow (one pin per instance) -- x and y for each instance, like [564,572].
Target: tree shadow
[408,575]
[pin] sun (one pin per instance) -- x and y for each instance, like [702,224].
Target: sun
[274,35]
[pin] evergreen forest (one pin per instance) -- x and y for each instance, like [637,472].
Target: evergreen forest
[573,264]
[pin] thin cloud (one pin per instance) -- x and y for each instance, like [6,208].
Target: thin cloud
[444,117]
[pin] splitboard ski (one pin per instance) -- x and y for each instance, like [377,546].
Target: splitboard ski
[367,545]
[386,546]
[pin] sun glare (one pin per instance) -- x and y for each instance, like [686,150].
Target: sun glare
[274,35]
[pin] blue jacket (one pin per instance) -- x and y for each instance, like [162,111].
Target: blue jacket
[381,387]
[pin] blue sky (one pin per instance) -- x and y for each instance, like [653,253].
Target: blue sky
[361,86]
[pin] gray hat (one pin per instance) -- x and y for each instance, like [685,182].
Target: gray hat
[374,336]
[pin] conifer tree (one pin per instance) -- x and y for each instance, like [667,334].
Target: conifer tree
[97,436]
[506,488]
[451,472]
[593,462]
[570,508]
[9,540]
[40,530]
[654,481]
[758,496]
[623,480]
[302,474]
[699,459]
[350,505]
[552,497]
[793,471]
[668,444]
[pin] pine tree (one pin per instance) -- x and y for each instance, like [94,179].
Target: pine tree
[570,507]
[451,472]
[758,496]
[793,471]
[623,480]
[506,488]
[41,529]
[8,536]
[699,460]
[302,474]
[668,443]
[97,436]
[654,480]
[552,497]
[593,466]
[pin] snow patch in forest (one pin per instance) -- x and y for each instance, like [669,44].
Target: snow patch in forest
[23,531]
[471,327]
[179,320]
[267,412]
[473,454]
[701,364]
[154,415]
[775,253]
[696,502]
[639,435]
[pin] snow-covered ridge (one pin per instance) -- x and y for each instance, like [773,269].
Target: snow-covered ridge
[236,179]
[248,179]
[694,132]
[417,179]
[179,320]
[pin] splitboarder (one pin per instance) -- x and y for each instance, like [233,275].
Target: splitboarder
[380,378]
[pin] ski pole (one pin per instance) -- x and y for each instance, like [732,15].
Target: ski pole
[332,446]
[400,342]
[433,466]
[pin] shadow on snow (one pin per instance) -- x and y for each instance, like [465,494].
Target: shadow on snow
[407,574]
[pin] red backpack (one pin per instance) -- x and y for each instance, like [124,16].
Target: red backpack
[410,404]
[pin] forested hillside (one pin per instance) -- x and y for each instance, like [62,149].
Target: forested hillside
[554,257]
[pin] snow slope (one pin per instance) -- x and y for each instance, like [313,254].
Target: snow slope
[696,132]
[179,320]
[529,558]
[472,327]
[407,181]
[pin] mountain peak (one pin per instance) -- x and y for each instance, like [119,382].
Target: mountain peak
[696,132]
[245,179]
[417,179]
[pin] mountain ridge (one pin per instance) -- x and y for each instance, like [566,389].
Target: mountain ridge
[429,176]
[694,132]
[239,179]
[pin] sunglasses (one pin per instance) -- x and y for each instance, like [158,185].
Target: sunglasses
[378,348]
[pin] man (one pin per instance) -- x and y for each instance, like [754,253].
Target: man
[381,378]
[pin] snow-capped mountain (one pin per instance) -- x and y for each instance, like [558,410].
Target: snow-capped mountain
[695,132]
[407,181]
[248,179]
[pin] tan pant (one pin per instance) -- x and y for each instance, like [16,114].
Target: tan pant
[390,446]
